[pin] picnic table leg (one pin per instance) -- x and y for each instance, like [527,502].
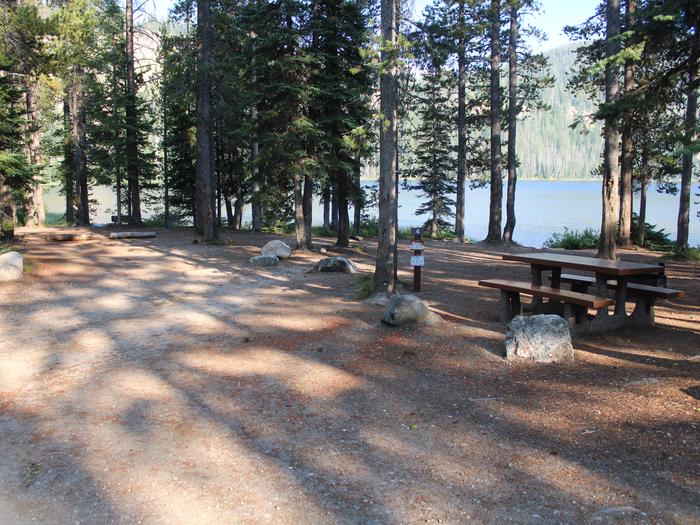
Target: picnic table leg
[601,289]
[556,277]
[536,272]
[621,296]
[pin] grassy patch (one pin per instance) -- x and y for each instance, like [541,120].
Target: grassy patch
[55,219]
[4,248]
[691,254]
[574,239]
[366,286]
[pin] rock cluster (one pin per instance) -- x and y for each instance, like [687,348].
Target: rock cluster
[277,248]
[264,260]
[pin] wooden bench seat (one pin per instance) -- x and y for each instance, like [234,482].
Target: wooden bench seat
[570,305]
[582,282]
[547,292]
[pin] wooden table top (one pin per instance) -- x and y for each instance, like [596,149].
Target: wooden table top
[589,264]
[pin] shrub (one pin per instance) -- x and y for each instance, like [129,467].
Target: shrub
[574,239]
[366,286]
[655,238]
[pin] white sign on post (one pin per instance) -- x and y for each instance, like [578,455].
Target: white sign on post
[417,260]
[416,245]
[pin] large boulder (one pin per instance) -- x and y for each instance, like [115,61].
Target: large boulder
[11,266]
[278,249]
[539,338]
[405,310]
[335,264]
[264,260]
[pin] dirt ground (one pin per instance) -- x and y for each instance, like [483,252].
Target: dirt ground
[160,381]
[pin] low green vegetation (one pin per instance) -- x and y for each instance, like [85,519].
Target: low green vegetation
[365,286]
[55,219]
[574,239]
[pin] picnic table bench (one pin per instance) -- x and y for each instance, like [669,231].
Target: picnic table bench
[624,280]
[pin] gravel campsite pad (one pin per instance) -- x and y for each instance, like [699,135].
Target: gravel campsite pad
[160,381]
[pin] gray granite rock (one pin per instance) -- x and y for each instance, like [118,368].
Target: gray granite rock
[335,264]
[278,249]
[539,338]
[264,260]
[405,310]
[11,266]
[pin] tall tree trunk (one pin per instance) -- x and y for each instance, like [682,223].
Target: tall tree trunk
[334,207]
[238,211]
[326,206]
[611,154]
[512,121]
[36,210]
[384,267]
[625,232]
[166,185]
[461,123]
[299,222]
[204,181]
[691,118]
[255,202]
[495,206]
[7,215]
[343,236]
[69,180]
[229,210]
[357,205]
[132,161]
[308,209]
[644,182]
[77,113]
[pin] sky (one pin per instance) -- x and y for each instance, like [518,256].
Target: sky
[554,16]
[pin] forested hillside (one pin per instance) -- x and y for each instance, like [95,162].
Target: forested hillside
[547,146]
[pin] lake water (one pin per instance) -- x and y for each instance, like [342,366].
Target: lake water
[542,208]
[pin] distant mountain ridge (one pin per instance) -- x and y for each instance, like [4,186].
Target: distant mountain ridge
[547,146]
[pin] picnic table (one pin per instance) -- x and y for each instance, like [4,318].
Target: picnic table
[614,284]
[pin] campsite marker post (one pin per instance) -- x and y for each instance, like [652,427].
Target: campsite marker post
[417,260]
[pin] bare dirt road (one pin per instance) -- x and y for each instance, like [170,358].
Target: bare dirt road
[158,381]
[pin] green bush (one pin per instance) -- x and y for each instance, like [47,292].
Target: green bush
[574,239]
[366,286]
[655,238]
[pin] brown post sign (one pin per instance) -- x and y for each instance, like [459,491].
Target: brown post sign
[417,260]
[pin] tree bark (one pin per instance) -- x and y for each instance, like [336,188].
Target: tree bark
[625,232]
[343,233]
[495,206]
[308,209]
[326,206]
[299,222]
[357,205]
[7,215]
[334,207]
[691,118]
[512,121]
[69,181]
[229,210]
[206,225]
[611,154]
[132,161]
[36,210]
[384,267]
[78,142]
[461,124]
[644,182]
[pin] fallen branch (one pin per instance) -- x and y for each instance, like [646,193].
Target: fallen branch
[63,237]
[131,235]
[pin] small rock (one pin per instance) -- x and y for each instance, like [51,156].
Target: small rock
[404,310]
[539,338]
[323,250]
[357,238]
[335,264]
[622,515]
[277,248]
[11,266]
[264,260]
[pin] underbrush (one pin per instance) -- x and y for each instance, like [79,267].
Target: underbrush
[574,239]
[365,286]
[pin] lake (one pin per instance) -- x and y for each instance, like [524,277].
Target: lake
[542,208]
